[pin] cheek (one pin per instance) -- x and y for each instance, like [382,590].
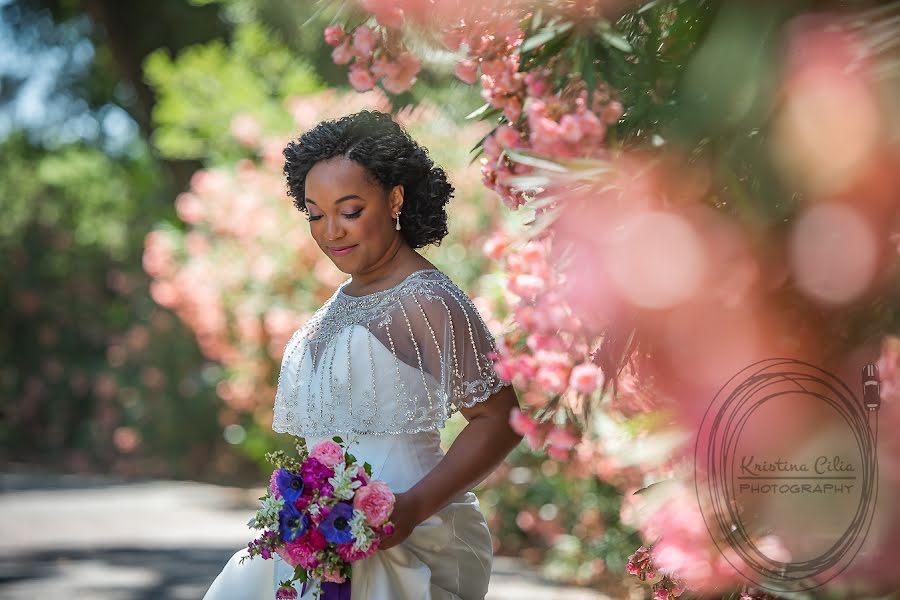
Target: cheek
[369,228]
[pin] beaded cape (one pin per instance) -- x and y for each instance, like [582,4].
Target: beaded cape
[401,360]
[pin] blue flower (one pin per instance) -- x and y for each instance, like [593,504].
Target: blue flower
[291,523]
[289,484]
[336,526]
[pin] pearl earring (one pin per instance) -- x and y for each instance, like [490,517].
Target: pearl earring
[397,226]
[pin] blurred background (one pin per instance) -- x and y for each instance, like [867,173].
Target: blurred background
[154,267]
[143,313]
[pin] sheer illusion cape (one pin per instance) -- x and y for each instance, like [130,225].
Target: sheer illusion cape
[401,360]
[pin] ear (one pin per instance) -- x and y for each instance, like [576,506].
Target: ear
[395,199]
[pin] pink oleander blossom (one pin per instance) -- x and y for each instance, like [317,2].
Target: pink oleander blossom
[343,53]
[586,378]
[521,423]
[386,12]
[361,79]
[364,41]
[334,35]
[467,71]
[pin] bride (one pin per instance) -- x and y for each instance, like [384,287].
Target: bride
[396,350]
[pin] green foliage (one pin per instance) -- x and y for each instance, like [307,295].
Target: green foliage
[93,374]
[537,509]
[201,90]
[75,188]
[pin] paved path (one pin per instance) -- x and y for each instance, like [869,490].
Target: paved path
[98,538]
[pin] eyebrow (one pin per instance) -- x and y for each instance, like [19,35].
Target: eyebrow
[339,200]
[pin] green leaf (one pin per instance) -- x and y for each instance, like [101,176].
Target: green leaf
[350,459]
[300,574]
[528,182]
[542,37]
[587,70]
[527,158]
[647,6]
[367,468]
[652,485]
[338,439]
[323,4]
[616,41]
[478,111]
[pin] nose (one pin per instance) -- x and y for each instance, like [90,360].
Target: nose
[333,229]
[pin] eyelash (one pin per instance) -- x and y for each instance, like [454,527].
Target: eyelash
[353,215]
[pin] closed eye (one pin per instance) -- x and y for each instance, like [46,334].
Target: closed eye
[354,215]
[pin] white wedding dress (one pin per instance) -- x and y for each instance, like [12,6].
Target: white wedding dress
[384,371]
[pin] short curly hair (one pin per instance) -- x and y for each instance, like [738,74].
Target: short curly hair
[391,157]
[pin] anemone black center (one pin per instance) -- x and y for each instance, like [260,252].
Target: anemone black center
[296,484]
[340,523]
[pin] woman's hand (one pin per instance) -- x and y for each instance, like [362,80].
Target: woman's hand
[405,517]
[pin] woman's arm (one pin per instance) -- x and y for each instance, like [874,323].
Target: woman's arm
[482,445]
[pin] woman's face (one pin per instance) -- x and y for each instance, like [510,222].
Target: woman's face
[350,217]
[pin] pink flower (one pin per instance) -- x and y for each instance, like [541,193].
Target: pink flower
[535,440]
[405,76]
[513,109]
[286,593]
[545,130]
[361,79]
[333,575]
[273,486]
[552,379]
[525,285]
[327,452]
[562,438]
[889,369]
[382,67]
[246,130]
[507,136]
[495,245]
[537,86]
[570,128]
[315,473]
[364,41]
[557,453]
[388,530]
[536,109]
[521,423]
[586,378]
[361,476]
[385,11]
[302,550]
[661,594]
[334,35]
[347,552]
[493,68]
[376,501]
[467,71]
[342,54]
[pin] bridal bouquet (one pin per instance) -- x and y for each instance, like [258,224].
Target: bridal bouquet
[320,513]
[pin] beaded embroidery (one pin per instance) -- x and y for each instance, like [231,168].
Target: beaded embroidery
[401,360]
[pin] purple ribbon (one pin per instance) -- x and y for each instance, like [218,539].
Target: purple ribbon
[336,591]
[331,590]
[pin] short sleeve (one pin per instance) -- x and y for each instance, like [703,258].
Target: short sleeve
[450,342]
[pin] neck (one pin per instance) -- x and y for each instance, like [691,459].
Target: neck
[398,258]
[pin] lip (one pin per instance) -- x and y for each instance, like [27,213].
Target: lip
[341,250]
